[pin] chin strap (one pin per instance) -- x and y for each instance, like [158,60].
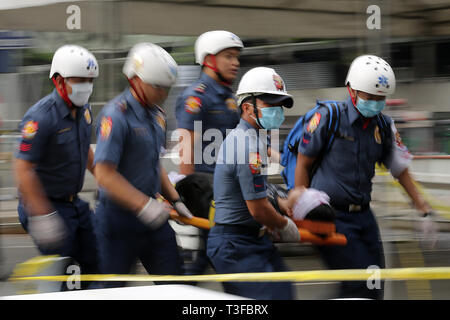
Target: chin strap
[62,93]
[213,67]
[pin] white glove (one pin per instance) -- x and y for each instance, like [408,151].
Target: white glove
[154,214]
[49,231]
[428,228]
[290,232]
[181,209]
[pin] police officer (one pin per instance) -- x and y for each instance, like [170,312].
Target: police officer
[130,133]
[346,170]
[208,104]
[238,242]
[51,160]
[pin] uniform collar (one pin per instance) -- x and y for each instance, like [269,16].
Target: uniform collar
[219,88]
[353,114]
[61,105]
[244,124]
[137,108]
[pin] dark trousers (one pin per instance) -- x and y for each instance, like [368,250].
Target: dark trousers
[238,253]
[81,243]
[122,243]
[364,249]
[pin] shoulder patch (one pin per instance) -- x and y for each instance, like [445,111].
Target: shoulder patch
[200,88]
[314,122]
[231,104]
[105,127]
[30,129]
[87,116]
[254,162]
[192,104]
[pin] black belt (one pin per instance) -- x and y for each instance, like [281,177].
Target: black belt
[240,229]
[351,207]
[68,198]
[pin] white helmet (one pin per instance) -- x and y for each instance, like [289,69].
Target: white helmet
[371,74]
[212,42]
[74,61]
[152,64]
[263,80]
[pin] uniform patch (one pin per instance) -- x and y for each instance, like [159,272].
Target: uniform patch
[200,88]
[30,129]
[279,84]
[87,116]
[398,140]
[305,140]
[254,163]
[24,147]
[231,104]
[105,127]
[192,104]
[314,122]
[161,120]
[258,183]
[377,135]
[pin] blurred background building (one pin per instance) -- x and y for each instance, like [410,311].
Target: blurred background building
[309,43]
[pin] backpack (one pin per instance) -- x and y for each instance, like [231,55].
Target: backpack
[290,147]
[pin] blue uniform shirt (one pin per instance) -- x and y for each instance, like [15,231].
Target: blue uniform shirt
[131,137]
[211,103]
[239,175]
[347,169]
[57,144]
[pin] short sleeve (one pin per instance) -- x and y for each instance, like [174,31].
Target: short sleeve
[188,109]
[252,182]
[111,134]
[400,157]
[35,132]
[314,132]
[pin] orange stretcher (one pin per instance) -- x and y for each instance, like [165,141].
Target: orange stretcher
[332,238]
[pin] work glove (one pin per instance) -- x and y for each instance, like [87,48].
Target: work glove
[154,214]
[428,228]
[48,231]
[181,209]
[289,233]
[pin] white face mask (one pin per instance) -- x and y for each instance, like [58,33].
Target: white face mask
[81,93]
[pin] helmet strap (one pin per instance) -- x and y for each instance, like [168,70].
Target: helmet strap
[351,96]
[255,108]
[62,93]
[213,67]
[138,95]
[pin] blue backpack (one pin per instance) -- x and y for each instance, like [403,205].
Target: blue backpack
[290,147]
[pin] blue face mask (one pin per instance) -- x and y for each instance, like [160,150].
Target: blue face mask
[272,117]
[370,108]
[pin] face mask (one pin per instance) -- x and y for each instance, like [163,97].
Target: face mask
[272,118]
[370,108]
[81,93]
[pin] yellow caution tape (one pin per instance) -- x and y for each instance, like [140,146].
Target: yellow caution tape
[438,273]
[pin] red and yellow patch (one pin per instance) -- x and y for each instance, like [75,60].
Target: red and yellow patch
[278,82]
[231,104]
[30,129]
[313,123]
[87,116]
[105,127]
[255,162]
[192,104]
[377,135]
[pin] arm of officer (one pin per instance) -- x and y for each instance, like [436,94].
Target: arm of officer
[186,152]
[31,188]
[302,169]
[90,161]
[118,188]
[170,193]
[407,182]
[264,213]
